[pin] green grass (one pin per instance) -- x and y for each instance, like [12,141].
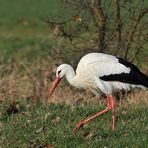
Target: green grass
[12,11]
[24,48]
[38,125]
[24,36]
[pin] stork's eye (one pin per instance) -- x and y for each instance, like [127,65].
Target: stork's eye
[59,72]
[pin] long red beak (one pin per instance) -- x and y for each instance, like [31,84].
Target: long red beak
[54,85]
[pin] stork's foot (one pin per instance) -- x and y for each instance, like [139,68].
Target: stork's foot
[80,124]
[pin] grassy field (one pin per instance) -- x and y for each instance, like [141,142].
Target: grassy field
[23,34]
[34,124]
[27,49]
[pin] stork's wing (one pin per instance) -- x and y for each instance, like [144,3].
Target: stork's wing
[133,77]
[111,68]
[99,64]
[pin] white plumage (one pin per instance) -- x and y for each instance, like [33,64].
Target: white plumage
[95,65]
[101,72]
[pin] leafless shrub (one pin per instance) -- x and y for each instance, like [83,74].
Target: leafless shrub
[113,26]
[31,83]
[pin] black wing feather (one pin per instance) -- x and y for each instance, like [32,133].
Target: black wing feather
[134,77]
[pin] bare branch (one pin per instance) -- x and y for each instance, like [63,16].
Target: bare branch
[133,29]
[136,53]
[48,21]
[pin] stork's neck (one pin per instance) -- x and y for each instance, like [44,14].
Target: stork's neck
[73,78]
[70,74]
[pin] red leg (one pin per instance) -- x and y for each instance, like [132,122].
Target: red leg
[113,105]
[80,124]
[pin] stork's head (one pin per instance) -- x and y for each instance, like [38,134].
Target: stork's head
[60,73]
[61,70]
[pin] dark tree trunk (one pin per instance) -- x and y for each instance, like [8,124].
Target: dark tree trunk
[101,24]
[117,23]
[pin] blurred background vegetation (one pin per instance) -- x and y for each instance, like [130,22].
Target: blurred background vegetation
[36,36]
[25,46]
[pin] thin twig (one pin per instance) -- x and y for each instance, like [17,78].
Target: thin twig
[133,29]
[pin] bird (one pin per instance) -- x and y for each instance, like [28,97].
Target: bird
[100,72]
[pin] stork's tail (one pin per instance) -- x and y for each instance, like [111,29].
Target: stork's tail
[144,80]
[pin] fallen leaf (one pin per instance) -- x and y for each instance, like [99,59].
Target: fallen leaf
[13,108]
[50,146]
[56,120]
[88,135]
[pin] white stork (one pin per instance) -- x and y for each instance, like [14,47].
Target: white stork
[101,72]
